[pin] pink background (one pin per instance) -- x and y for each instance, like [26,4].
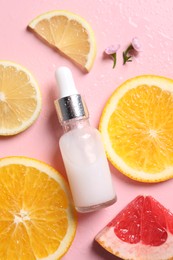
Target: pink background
[114,21]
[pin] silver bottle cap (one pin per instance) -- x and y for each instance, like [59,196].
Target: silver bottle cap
[71,107]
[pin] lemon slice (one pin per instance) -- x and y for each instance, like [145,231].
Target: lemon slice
[37,218]
[20,98]
[69,33]
[136,125]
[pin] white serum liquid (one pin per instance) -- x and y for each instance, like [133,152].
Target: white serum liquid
[87,169]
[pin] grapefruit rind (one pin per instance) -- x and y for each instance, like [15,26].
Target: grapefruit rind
[107,239]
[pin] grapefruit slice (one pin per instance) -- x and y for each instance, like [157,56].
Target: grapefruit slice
[142,230]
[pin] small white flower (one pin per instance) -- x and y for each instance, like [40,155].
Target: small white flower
[131,50]
[136,44]
[112,49]
[112,52]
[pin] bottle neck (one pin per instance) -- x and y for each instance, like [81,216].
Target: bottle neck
[71,124]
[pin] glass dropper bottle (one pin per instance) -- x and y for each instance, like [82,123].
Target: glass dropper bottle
[82,150]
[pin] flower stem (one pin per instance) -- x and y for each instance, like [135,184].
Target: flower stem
[114,56]
[126,56]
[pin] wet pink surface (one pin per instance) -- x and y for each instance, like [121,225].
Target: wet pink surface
[114,22]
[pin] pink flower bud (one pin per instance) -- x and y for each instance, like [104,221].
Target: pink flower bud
[136,44]
[112,49]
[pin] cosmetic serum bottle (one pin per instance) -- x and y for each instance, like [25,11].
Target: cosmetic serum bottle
[82,150]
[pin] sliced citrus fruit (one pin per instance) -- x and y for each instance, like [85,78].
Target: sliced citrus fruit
[68,33]
[142,230]
[20,99]
[37,219]
[136,126]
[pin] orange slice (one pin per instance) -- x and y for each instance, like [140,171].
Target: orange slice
[142,230]
[37,218]
[136,126]
[20,98]
[68,33]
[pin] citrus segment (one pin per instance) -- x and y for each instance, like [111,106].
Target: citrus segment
[136,126]
[37,217]
[20,99]
[131,214]
[140,231]
[69,33]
